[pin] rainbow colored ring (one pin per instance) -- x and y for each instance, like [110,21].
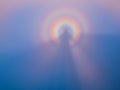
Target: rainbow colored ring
[55,29]
[54,21]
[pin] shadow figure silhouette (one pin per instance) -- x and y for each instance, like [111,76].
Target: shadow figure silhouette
[64,75]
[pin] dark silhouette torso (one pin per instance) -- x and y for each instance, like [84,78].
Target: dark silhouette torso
[65,76]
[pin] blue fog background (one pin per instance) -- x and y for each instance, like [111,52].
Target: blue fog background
[20,51]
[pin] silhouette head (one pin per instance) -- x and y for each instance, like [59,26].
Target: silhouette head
[66,34]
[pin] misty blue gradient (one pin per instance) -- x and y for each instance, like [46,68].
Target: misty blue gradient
[22,54]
